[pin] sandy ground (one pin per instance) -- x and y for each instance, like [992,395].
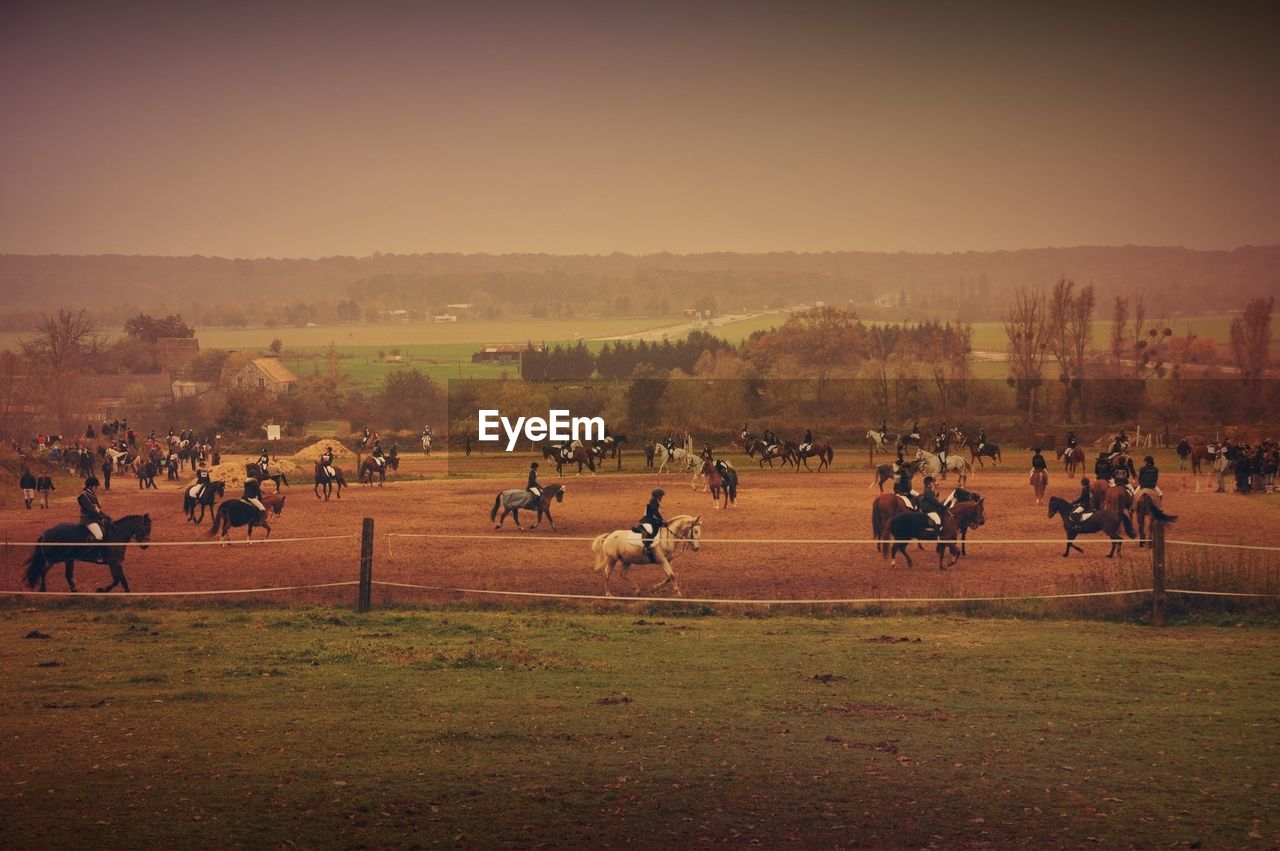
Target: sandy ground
[772,504]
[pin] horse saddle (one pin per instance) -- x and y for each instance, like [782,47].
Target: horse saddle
[194,491]
[907,501]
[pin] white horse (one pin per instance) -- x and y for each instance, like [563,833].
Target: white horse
[932,465]
[879,441]
[426,444]
[678,455]
[625,548]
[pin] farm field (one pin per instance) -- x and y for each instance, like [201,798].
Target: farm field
[262,726]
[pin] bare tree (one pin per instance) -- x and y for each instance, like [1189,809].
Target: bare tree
[1070,324]
[63,341]
[1120,329]
[1251,341]
[1027,327]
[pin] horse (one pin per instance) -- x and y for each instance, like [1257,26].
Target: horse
[613,444]
[212,491]
[1072,458]
[324,480]
[1118,499]
[880,441]
[1121,460]
[1039,481]
[821,451]
[1098,493]
[370,468]
[253,471]
[511,501]
[781,451]
[1096,521]
[885,472]
[1145,508]
[236,512]
[968,515]
[580,455]
[426,444]
[625,548]
[132,527]
[724,487]
[989,450]
[1184,453]
[883,508]
[934,465]
[908,526]
[665,456]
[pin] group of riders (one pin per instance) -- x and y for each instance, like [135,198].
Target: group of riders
[1252,466]
[947,438]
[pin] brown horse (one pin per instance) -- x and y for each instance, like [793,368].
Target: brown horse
[901,529]
[1118,499]
[1099,521]
[821,451]
[1073,458]
[237,512]
[782,451]
[1098,491]
[370,468]
[883,509]
[724,489]
[327,482]
[1199,454]
[1040,481]
[1145,508]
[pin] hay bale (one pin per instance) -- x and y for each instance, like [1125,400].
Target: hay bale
[311,454]
[234,473]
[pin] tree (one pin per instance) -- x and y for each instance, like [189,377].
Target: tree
[1026,324]
[1071,328]
[1251,342]
[410,399]
[276,345]
[819,341]
[63,341]
[149,329]
[1119,329]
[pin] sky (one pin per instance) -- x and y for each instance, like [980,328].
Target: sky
[284,129]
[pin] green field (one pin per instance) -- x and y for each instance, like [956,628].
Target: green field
[266,727]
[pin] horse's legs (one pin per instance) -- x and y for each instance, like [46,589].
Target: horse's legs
[670,576]
[69,567]
[117,578]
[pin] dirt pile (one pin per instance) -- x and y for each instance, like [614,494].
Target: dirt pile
[311,454]
[233,472]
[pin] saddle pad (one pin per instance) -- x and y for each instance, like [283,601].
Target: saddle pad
[191,491]
[911,506]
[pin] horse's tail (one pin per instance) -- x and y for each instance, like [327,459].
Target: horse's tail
[597,547]
[1128,525]
[830,454]
[497,503]
[1156,512]
[36,565]
[876,523]
[885,545]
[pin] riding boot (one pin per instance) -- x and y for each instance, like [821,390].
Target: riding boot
[648,552]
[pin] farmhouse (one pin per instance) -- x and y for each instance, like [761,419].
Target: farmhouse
[267,373]
[504,353]
[106,395]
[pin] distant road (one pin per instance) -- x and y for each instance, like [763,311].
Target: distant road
[676,331]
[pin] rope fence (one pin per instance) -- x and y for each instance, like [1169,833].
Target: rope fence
[365,583]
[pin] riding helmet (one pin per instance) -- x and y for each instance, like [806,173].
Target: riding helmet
[658,493]
[1085,480]
[533,466]
[91,482]
[1149,460]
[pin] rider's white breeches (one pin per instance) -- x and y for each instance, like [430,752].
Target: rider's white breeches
[256,503]
[95,529]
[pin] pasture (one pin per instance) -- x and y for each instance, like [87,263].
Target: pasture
[263,726]
[447,718]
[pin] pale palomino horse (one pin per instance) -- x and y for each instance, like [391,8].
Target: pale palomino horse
[679,457]
[426,444]
[956,463]
[624,548]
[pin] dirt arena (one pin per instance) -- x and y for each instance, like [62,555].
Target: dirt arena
[423,498]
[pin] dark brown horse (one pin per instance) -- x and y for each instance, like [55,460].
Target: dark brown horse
[823,452]
[1039,481]
[328,482]
[901,529]
[723,487]
[72,538]
[511,501]
[1098,521]
[370,468]
[883,509]
[1073,458]
[237,512]
[1118,499]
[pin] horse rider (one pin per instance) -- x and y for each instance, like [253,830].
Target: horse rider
[253,493]
[1148,480]
[721,466]
[203,480]
[770,439]
[1083,503]
[534,488]
[929,504]
[884,428]
[326,462]
[92,517]
[263,461]
[915,432]
[1037,464]
[807,443]
[652,522]
[1119,442]
[941,442]
[670,443]
[377,456]
[1071,439]
[982,439]
[902,478]
[28,484]
[1120,475]
[1102,467]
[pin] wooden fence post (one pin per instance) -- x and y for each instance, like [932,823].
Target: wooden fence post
[1157,573]
[366,566]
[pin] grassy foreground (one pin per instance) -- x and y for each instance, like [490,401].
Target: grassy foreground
[264,727]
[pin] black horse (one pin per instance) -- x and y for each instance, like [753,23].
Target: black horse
[989,450]
[233,513]
[212,491]
[1102,520]
[146,474]
[117,534]
[324,480]
[901,529]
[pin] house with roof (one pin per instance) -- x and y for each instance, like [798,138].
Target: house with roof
[269,374]
[504,353]
[105,395]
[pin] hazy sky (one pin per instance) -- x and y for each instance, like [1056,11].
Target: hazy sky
[311,129]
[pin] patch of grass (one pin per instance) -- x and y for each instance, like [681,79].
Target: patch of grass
[404,728]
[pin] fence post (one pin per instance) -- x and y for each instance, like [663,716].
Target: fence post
[366,566]
[1157,573]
